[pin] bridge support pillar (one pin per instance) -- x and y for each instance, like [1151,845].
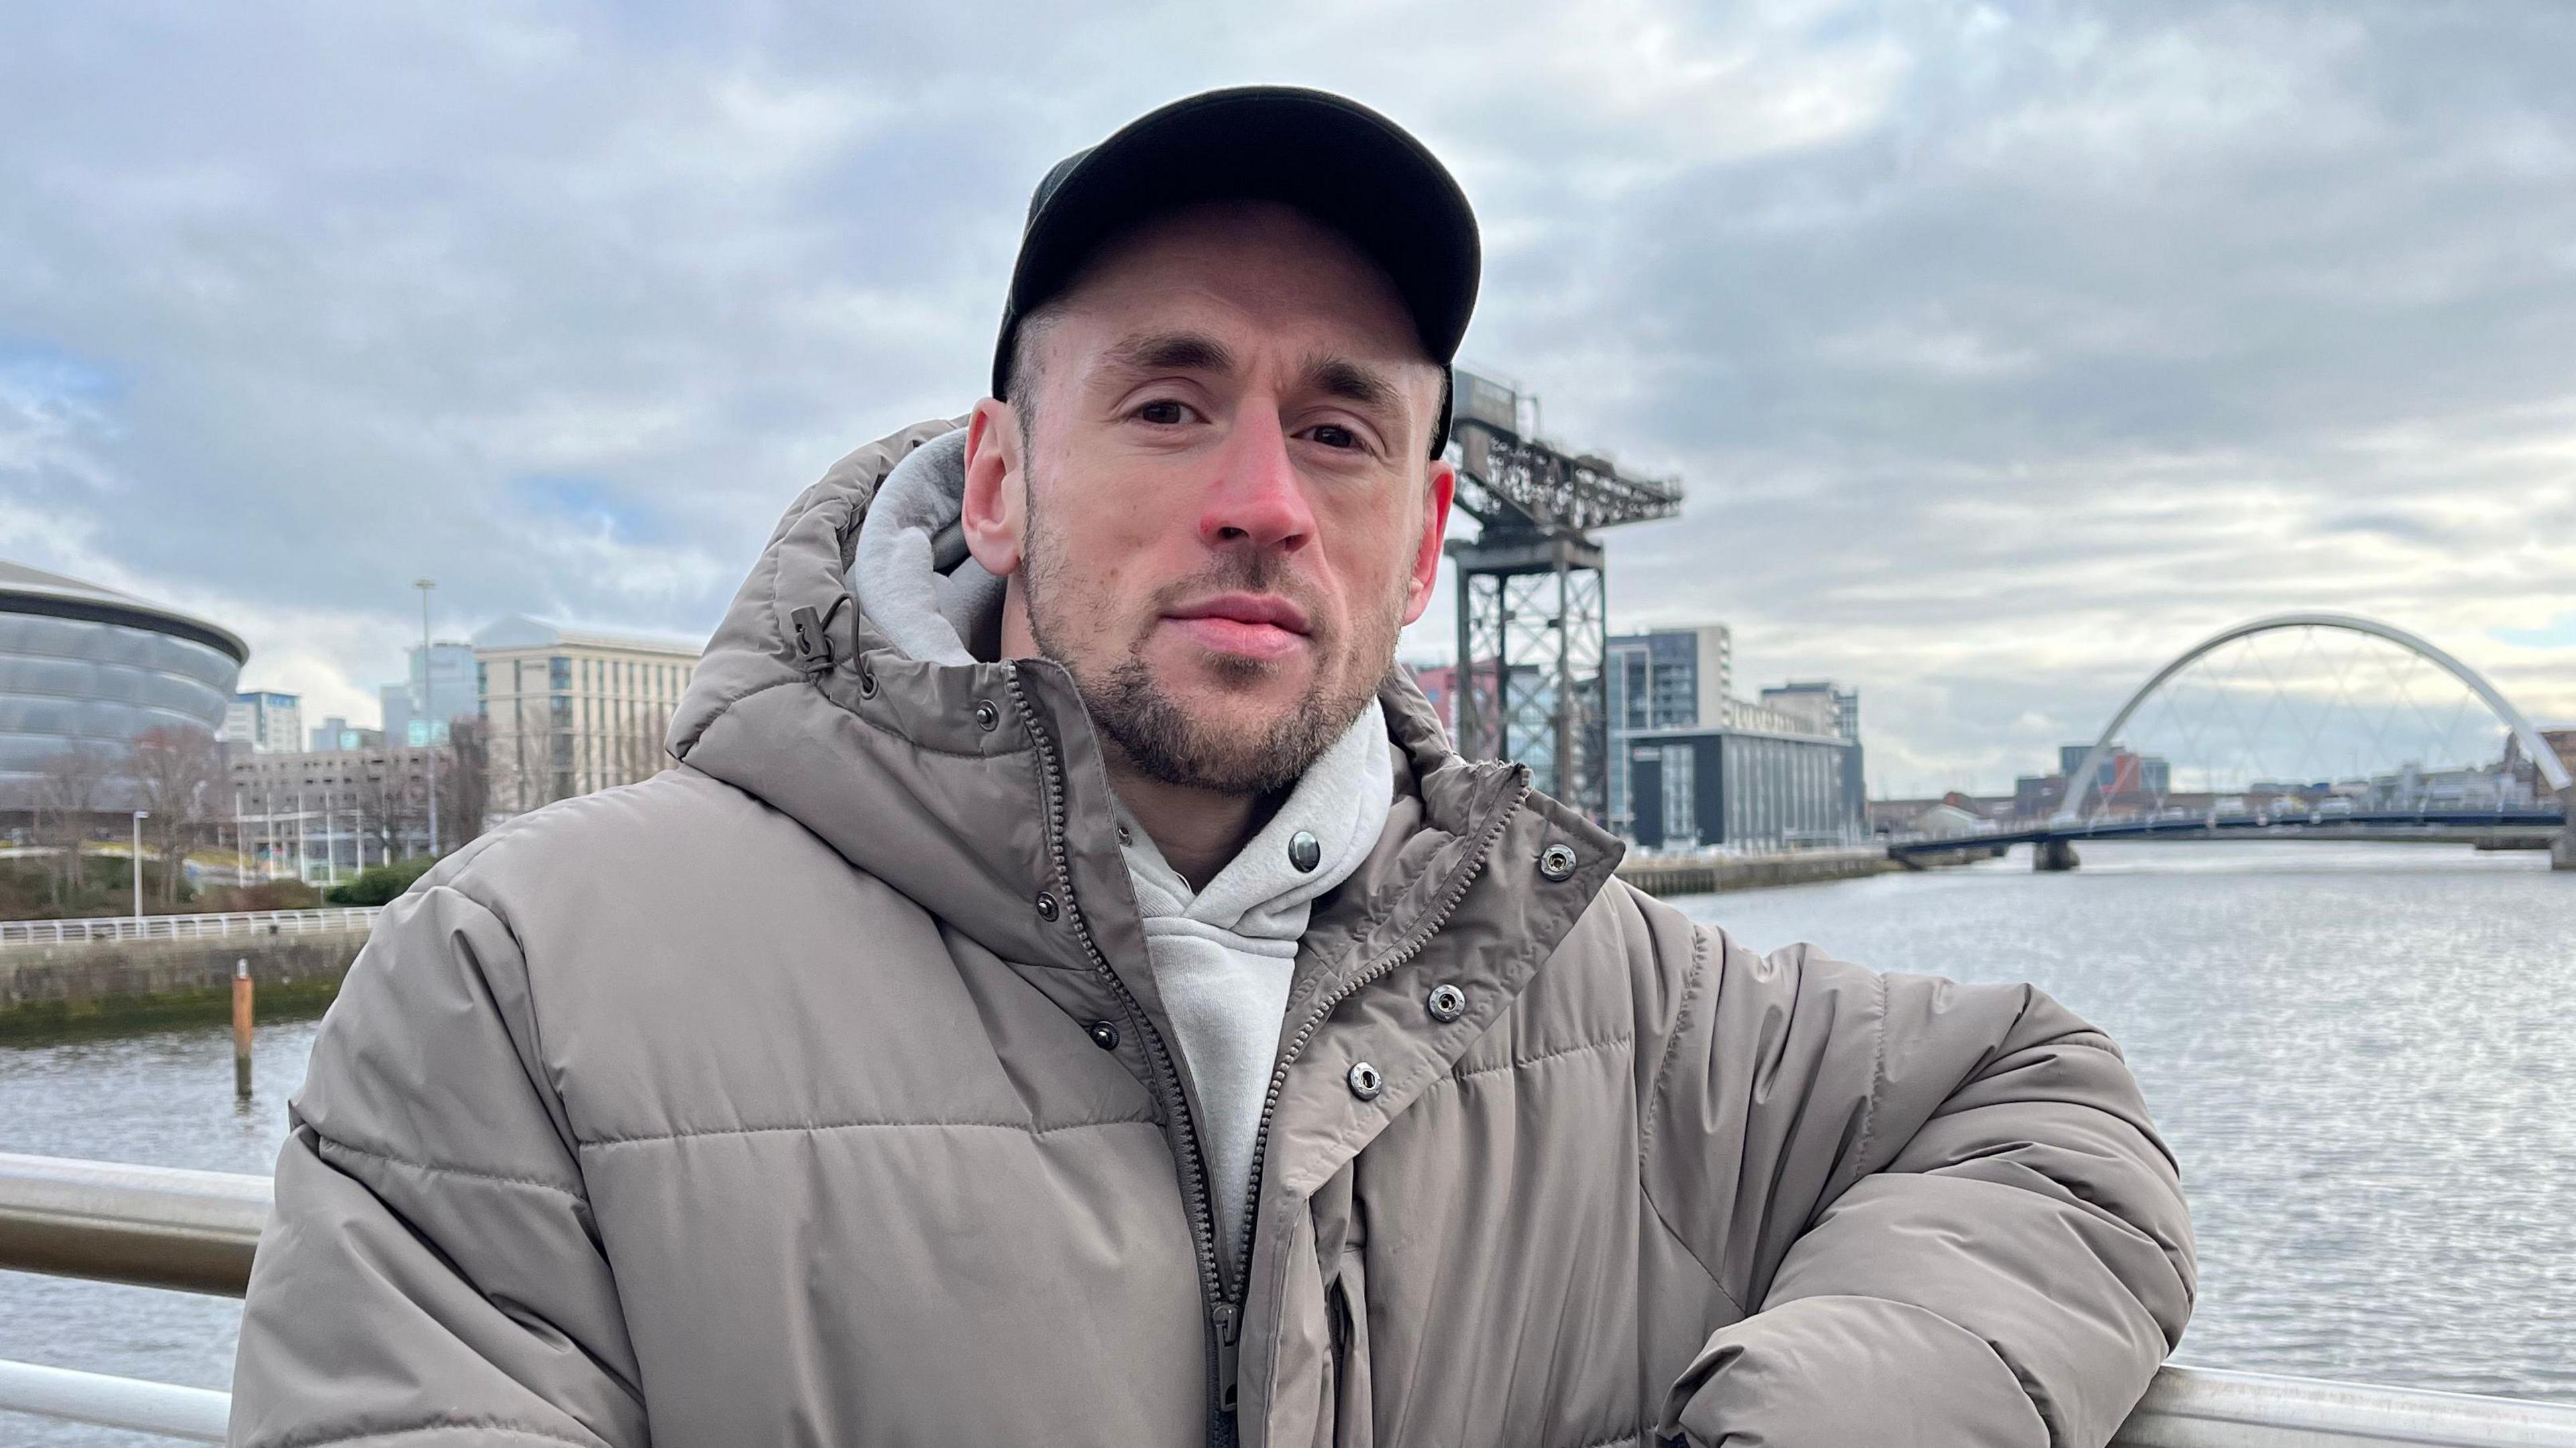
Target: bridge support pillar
[2053,855]
[2562,855]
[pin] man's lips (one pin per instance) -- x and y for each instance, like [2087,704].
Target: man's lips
[1253,625]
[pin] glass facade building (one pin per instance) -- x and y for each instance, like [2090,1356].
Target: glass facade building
[1746,790]
[87,668]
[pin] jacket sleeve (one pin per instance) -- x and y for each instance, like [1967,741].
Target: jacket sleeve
[1942,1207]
[431,1274]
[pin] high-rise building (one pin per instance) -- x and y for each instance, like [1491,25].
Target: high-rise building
[265,722]
[571,710]
[444,679]
[1666,678]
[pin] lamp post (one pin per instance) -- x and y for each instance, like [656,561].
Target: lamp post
[420,709]
[139,817]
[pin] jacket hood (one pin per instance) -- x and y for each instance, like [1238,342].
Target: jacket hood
[931,776]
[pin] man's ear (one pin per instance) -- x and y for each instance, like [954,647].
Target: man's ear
[995,519]
[1441,488]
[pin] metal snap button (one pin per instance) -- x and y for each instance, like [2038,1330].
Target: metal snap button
[1556,862]
[1446,1003]
[1366,1083]
[987,716]
[1104,1034]
[1046,906]
[1305,851]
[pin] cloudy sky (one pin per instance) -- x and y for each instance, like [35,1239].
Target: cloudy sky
[2005,349]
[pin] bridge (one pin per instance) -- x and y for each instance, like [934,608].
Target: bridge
[2089,812]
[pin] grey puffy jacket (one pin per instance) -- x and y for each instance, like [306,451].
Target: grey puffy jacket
[816,1091]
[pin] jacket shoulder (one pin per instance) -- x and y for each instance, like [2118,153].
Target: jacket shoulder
[681,839]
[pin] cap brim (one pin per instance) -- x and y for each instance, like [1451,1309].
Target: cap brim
[1332,158]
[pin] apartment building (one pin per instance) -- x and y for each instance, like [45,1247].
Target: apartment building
[572,710]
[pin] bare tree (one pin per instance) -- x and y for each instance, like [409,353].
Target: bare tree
[635,747]
[389,807]
[69,789]
[176,772]
[464,780]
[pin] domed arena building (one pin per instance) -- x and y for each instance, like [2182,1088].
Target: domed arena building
[88,667]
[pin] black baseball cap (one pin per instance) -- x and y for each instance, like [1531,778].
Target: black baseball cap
[1334,159]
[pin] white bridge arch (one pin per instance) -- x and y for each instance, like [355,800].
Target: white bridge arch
[2080,784]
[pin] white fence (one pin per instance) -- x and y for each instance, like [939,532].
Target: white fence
[186,927]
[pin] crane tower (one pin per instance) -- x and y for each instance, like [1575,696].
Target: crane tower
[1532,623]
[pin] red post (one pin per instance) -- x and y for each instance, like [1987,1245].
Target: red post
[241,1029]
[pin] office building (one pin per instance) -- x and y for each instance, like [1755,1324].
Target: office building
[1666,678]
[444,678]
[87,669]
[1691,765]
[265,722]
[321,816]
[1742,788]
[573,710]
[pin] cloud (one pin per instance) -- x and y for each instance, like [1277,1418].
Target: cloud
[2005,349]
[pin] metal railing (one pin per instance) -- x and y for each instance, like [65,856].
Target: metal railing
[195,1231]
[187,927]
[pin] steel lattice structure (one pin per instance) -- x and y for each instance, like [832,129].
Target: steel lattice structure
[1533,623]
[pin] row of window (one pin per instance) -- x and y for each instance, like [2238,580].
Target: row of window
[623,676]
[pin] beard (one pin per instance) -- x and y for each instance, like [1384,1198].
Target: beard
[1163,737]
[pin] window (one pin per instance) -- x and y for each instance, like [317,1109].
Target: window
[559,673]
[1681,823]
[561,711]
[482,679]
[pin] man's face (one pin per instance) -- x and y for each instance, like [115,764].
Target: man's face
[1223,511]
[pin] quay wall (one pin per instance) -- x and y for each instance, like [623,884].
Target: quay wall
[1752,872]
[108,987]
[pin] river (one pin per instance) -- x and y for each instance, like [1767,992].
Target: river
[2364,1056]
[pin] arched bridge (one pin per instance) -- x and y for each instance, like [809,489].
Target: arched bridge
[2085,813]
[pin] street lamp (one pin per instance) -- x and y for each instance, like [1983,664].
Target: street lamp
[139,817]
[420,708]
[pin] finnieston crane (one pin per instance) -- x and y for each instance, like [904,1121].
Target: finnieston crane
[1533,628]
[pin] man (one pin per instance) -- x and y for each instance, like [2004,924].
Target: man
[1069,991]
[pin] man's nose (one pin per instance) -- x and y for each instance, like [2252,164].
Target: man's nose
[1256,498]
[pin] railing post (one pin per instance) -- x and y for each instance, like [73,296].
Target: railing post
[241,1028]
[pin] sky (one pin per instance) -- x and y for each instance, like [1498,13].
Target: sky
[2003,350]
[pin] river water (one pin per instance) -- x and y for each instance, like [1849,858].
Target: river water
[2364,1056]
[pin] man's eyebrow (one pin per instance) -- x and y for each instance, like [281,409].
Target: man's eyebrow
[1171,352]
[1354,382]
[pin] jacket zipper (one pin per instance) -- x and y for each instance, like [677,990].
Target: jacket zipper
[1451,894]
[1224,1312]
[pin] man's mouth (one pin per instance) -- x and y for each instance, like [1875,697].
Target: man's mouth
[1249,625]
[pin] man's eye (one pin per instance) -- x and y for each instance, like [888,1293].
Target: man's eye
[1335,437]
[1165,413]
